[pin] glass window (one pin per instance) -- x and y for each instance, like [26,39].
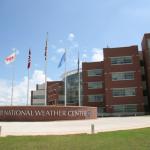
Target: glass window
[38,96]
[131,108]
[125,108]
[95,72]
[121,60]
[122,76]
[95,85]
[100,109]
[95,98]
[118,108]
[121,92]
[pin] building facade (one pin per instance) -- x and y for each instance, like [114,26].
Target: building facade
[55,91]
[122,78]
[146,58]
[120,84]
[93,85]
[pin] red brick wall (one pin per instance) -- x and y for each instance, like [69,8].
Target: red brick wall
[146,57]
[86,79]
[46,113]
[109,84]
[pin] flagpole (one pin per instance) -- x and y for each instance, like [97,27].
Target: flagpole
[79,79]
[28,89]
[12,83]
[65,79]
[46,52]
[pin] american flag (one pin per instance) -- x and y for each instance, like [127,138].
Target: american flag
[46,51]
[29,59]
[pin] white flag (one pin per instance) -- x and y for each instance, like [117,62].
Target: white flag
[11,58]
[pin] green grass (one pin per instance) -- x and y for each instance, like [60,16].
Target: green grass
[118,140]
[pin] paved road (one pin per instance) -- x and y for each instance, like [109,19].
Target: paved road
[73,127]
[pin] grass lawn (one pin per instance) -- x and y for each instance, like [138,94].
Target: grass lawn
[118,140]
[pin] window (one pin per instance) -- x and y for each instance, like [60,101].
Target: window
[122,76]
[118,108]
[95,72]
[121,60]
[125,108]
[38,96]
[95,85]
[121,92]
[95,98]
[100,109]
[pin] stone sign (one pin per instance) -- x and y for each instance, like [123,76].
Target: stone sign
[46,113]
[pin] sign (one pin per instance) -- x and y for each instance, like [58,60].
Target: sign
[46,113]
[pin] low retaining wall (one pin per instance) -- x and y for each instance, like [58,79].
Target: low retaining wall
[46,113]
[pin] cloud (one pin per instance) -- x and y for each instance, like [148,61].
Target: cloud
[71,37]
[61,50]
[84,56]
[97,54]
[20,89]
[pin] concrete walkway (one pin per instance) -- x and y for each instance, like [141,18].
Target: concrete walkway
[73,127]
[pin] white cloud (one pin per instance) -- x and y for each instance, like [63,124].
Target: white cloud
[61,50]
[84,55]
[20,89]
[97,54]
[71,36]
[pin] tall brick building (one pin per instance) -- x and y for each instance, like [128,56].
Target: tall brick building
[115,84]
[120,84]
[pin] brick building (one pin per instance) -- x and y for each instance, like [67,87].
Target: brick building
[146,57]
[115,84]
[120,84]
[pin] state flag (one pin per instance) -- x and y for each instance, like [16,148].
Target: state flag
[63,59]
[11,58]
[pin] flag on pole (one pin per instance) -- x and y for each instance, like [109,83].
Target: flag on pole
[46,51]
[63,59]
[29,60]
[11,58]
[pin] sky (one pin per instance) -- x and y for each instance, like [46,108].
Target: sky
[86,26]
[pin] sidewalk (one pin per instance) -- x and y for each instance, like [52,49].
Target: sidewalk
[73,127]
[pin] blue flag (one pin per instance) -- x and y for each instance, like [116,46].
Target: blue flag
[63,58]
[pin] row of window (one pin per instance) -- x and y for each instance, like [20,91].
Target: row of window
[95,85]
[95,72]
[120,108]
[121,92]
[116,92]
[125,108]
[116,76]
[121,60]
[96,98]
[122,76]
[114,61]
[38,96]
